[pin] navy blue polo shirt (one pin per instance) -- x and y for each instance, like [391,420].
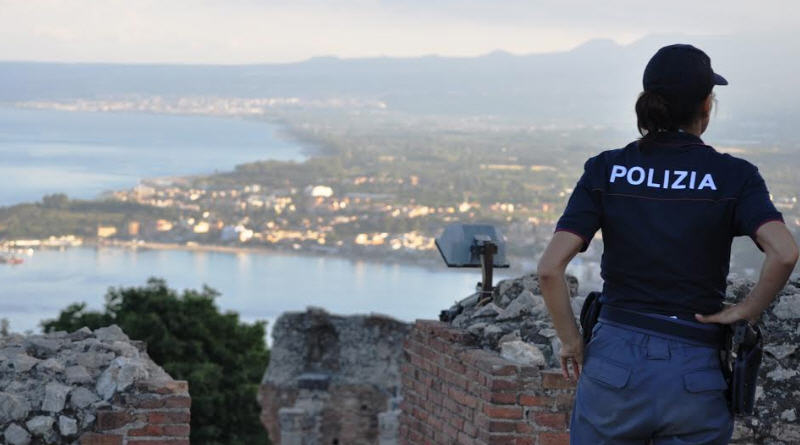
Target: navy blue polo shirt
[668,210]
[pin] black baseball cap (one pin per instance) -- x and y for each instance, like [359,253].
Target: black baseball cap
[681,72]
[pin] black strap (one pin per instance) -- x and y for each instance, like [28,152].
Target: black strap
[710,335]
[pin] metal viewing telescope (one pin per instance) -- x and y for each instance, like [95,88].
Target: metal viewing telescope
[473,245]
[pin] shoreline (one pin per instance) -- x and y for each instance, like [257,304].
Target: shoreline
[432,264]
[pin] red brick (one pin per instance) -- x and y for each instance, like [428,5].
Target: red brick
[173,387]
[159,442]
[470,429]
[502,426]
[445,347]
[111,420]
[503,384]
[463,398]
[565,400]
[161,417]
[482,422]
[529,371]
[556,421]
[503,412]
[454,365]
[554,380]
[456,421]
[531,400]
[451,377]
[100,439]
[502,440]
[525,428]
[177,430]
[502,398]
[553,438]
[148,402]
[527,440]
[162,402]
[465,439]
[449,431]
[147,430]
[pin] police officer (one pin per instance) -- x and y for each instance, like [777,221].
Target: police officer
[668,206]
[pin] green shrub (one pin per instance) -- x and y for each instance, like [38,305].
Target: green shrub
[222,358]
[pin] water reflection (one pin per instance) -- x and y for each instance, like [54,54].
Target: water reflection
[257,285]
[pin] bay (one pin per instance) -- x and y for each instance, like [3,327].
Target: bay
[84,154]
[259,286]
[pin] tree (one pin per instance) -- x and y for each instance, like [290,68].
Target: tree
[55,201]
[222,358]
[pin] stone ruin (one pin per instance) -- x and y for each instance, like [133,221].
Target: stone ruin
[333,380]
[87,387]
[516,324]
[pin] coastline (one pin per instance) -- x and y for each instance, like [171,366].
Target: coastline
[431,263]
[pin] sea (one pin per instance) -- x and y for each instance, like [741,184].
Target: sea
[84,154]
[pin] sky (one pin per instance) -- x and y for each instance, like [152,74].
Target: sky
[273,31]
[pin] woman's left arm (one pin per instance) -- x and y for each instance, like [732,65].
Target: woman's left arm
[552,282]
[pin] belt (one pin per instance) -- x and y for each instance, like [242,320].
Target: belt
[707,334]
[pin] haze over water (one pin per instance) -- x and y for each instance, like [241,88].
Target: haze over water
[84,154]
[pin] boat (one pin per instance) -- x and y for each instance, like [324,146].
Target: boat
[11,259]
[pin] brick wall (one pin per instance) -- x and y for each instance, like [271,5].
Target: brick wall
[156,415]
[456,393]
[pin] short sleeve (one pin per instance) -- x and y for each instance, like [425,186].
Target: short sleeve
[583,213]
[754,207]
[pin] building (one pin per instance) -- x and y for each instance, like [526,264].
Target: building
[106,231]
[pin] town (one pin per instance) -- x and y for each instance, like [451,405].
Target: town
[379,185]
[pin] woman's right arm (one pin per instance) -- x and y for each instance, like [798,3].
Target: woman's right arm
[781,256]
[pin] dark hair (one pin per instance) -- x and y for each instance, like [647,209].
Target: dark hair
[655,113]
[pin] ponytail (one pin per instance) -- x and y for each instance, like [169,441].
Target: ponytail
[655,113]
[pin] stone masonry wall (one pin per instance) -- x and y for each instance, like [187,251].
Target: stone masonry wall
[454,392]
[459,379]
[89,388]
[333,380]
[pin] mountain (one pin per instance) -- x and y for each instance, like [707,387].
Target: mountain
[595,83]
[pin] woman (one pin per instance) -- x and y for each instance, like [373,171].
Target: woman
[668,206]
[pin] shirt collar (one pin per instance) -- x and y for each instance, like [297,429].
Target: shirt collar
[679,137]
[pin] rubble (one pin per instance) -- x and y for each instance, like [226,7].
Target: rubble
[52,385]
[517,308]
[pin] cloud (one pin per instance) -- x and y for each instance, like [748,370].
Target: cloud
[250,31]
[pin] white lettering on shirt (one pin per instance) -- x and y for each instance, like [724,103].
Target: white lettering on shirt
[650,182]
[707,181]
[638,170]
[678,184]
[673,180]
[618,171]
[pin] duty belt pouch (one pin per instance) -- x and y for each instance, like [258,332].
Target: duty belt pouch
[590,311]
[747,347]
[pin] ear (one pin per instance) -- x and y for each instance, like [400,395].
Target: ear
[707,104]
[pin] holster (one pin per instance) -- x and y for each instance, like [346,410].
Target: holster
[745,349]
[590,311]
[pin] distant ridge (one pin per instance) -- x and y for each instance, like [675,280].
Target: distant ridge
[594,83]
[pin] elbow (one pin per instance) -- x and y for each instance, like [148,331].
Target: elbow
[788,258]
[549,272]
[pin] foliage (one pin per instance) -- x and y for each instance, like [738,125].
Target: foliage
[58,215]
[222,358]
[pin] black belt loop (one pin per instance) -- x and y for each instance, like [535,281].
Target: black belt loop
[710,335]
